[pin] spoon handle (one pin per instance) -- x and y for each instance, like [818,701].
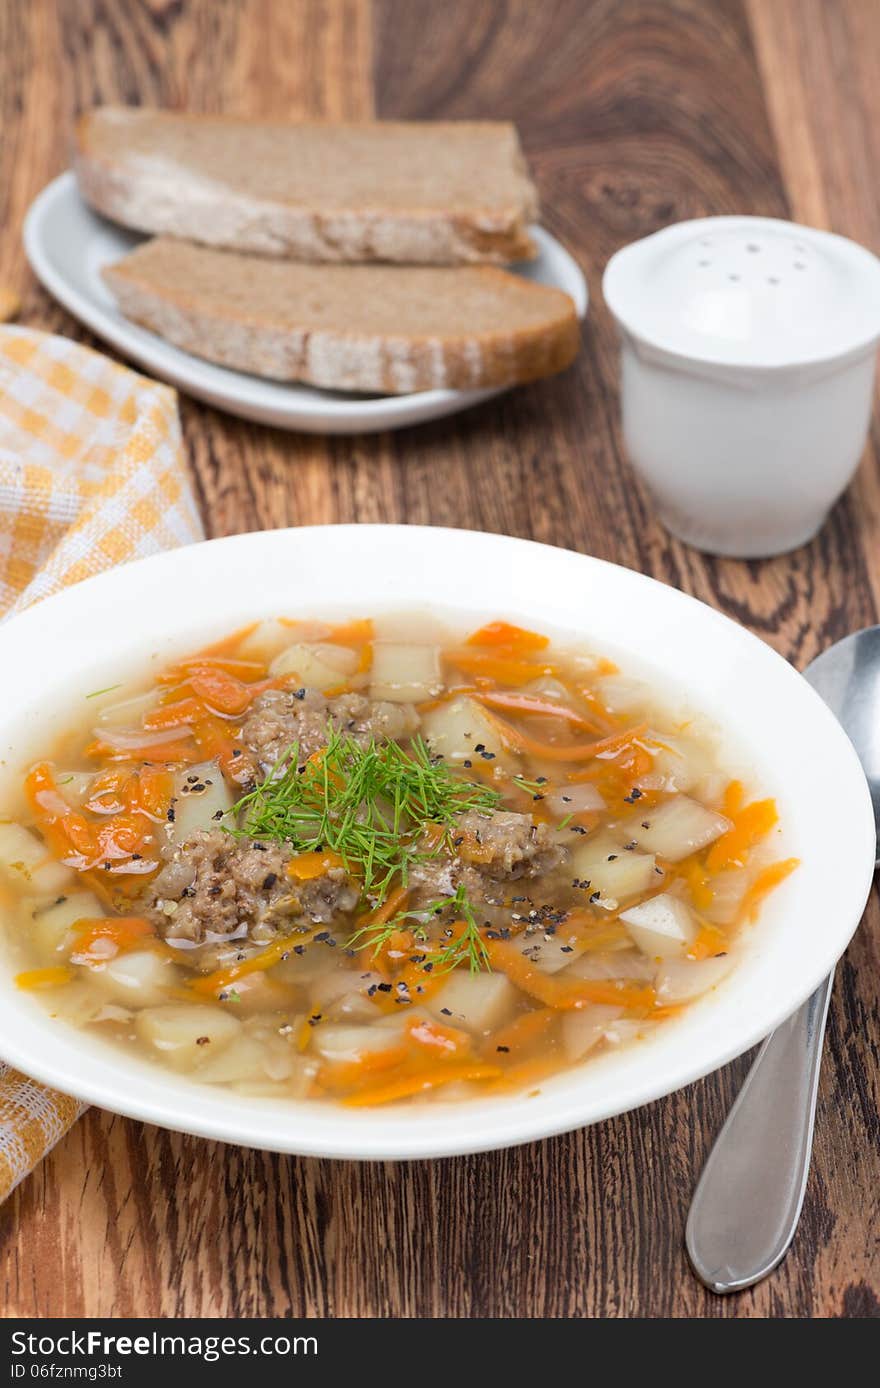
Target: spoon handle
[749,1197]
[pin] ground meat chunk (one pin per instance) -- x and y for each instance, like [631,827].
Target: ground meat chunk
[281,717]
[216,886]
[507,845]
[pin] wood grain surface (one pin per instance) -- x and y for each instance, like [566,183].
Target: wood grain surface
[634,113]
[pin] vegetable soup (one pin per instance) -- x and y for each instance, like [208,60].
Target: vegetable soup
[379,861]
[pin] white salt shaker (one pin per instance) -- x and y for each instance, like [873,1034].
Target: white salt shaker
[747,370]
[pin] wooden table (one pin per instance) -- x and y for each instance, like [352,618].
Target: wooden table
[634,113]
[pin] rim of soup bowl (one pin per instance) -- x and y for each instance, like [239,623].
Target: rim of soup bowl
[191,595]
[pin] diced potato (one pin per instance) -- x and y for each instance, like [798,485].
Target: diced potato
[296,1086]
[584,1027]
[25,862]
[241,1059]
[405,673]
[185,1034]
[678,828]
[139,978]
[728,892]
[480,1002]
[265,640]
[416,624]
[574,799]
[617,873]
[680,764]
[662,927]
[127,713]
[321,666]
[50,926]
[455,730]
[346,1044]
[316,961]
[199,809]
[550,953]
[77,1003]
[681,980]
[618,963]
[627,1029]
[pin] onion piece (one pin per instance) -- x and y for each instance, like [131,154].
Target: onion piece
[405,673]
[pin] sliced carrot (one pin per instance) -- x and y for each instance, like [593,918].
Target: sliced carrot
[512,637]
[124,931]
[420,1083]
[710,940]
[524,1031]
[767,879]
[357,635]
[699,885]
[52,977]
[215,744]
[437,1039]
[68,833]
[217,982]
[381,915]
[221,691]
[564,993]
[733,799]
[548,751]
[750,824]
[305,867]
[501,668]
[179,714]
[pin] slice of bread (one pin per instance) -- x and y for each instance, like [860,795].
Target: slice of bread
[381,328]
[440,193]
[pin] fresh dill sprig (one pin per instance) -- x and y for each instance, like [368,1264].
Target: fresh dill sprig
[370,804]
[467,946]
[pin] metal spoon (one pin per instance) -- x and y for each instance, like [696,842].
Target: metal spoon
[748,1201]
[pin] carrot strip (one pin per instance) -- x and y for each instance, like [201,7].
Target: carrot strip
[750,825]
[392,904]
[532,704]
[548,751]
[504,669]
[524,1031]
[710,941]
[512,637]
[220,979]
[179,714]
[221,691]
[124,931]
[44,978]
[305,867]
[421,1083]
[767,879]
[564,993]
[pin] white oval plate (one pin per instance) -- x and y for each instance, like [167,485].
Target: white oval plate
[68,245]
[85,639]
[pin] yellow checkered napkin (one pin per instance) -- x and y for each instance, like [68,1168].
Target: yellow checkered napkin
[91,474]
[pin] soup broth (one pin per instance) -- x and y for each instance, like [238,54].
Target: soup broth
[378,862]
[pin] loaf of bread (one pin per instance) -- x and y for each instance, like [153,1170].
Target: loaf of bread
[390,329]
[439,193]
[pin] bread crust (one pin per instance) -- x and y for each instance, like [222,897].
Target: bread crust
[152,286]
[160,197]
